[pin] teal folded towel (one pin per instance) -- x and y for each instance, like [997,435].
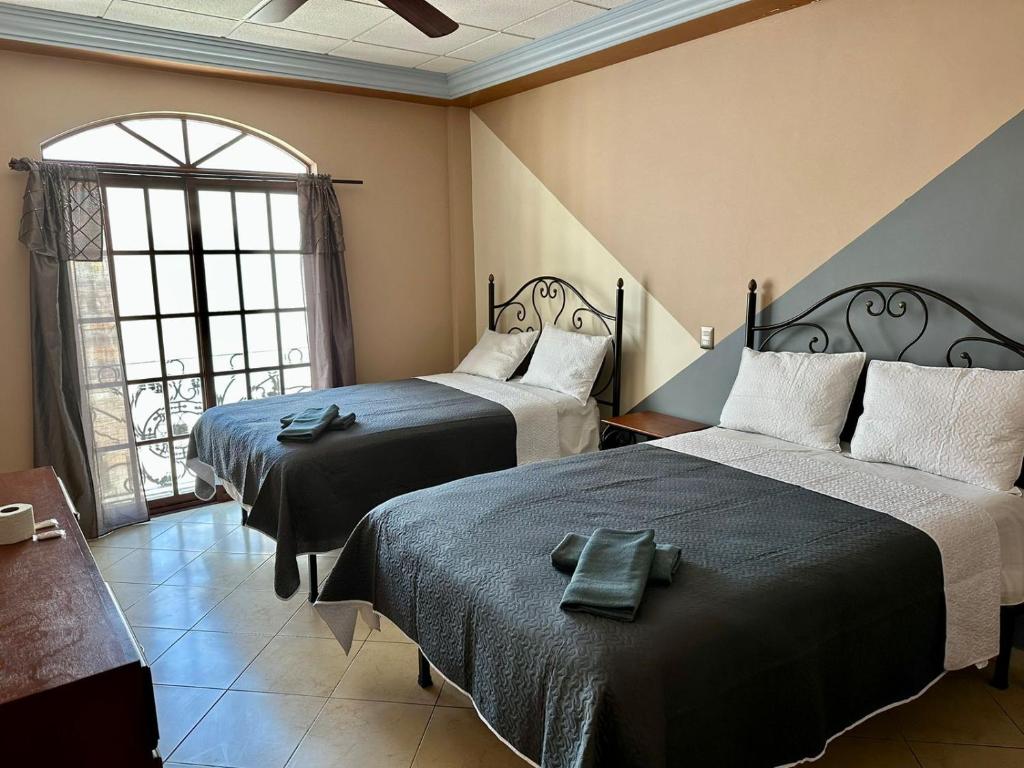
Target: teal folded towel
[567,554]
[339,422]
[309,424]
[611,575]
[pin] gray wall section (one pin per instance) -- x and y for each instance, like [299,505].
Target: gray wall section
[961,235]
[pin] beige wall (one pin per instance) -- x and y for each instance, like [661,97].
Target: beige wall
[756,152]
[397,226]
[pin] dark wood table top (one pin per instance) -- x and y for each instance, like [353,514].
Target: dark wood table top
[653,424]
[58,622]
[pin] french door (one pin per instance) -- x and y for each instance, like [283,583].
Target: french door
[209,305]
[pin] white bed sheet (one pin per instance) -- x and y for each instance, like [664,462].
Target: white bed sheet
[549,424]
[1006,509]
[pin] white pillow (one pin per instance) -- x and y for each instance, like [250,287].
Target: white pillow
[801,397]
[962,423]
[497,355]
[567,362]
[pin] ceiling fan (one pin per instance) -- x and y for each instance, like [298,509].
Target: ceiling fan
[419,13]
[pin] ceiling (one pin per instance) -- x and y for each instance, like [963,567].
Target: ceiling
[363,30]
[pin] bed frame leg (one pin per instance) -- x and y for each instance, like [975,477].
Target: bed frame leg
[314,590]
[1007,624]
[424,679]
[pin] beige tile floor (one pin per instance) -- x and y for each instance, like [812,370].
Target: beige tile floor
[246,680]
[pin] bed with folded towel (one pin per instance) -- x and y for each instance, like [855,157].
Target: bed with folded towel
[308,466]
[718,594]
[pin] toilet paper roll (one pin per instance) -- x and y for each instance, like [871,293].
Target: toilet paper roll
[17,523]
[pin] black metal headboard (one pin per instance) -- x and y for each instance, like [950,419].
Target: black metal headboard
[554,294]
[881,301]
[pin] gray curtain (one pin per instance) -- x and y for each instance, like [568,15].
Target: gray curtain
[81,416]
[328,313]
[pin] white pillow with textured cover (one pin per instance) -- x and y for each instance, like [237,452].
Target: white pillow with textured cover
[802,397]
[567,362]
[966,424]
[497,355]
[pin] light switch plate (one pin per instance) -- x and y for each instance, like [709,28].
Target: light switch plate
[707,337]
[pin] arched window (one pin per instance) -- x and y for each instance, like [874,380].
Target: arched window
[202,247]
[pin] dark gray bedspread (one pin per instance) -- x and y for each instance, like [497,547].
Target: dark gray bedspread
[792,616]
[409,434]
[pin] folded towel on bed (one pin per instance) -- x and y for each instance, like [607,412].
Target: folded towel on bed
[309,424]
[611,575]
[338,423]
[567,554]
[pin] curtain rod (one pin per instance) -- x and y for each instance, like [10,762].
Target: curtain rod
[160,170]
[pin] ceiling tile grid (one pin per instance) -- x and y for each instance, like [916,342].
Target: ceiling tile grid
[364,30]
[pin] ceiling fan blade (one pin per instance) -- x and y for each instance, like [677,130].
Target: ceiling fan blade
[276,10]
[422,15]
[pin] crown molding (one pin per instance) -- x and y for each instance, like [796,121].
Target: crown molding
[631,30]
[25,24]
[614,27]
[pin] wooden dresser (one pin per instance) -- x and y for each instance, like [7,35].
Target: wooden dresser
[74,686]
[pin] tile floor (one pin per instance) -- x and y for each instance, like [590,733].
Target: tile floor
[246,680]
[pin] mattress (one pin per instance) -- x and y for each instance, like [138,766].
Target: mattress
[1005,509]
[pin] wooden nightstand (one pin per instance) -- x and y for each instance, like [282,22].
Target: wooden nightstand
[631,428]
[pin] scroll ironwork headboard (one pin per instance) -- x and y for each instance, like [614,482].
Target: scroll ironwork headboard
[881,300]
[545,299]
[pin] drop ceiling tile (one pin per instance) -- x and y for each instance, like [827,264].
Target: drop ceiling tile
[81,7]
[396,32]
[285,38]
[229,9]
[378,54]
[168,18]
[444,64]
[555,20]
[490,46]
[336,18]
[493,15]
[609,3]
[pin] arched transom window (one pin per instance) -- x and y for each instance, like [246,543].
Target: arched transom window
[176,141]
[208,302]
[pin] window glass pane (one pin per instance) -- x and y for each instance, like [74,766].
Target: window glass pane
[203,138]
[230,388]
[284,212]
[261,336]
[174,282]
[226,343]
[186,480]
[265,384]
[290,292]
[157,476]
[167,212]
[164,132]
[221,282]
[257,281]
[141,349]
[109,421]
[255,154]
[134,275]
[293,338]
[215,218]
[148,413]
[105,144]
[180,347]
[296,380]
[126,210]
[101,353]
[251,208]
[117,475]
[186,399]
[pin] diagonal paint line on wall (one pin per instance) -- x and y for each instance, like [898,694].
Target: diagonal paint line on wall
[521,229]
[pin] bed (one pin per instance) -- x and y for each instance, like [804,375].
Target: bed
[815,590]
[409,434]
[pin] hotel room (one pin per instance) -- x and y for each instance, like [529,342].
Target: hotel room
[501,383]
